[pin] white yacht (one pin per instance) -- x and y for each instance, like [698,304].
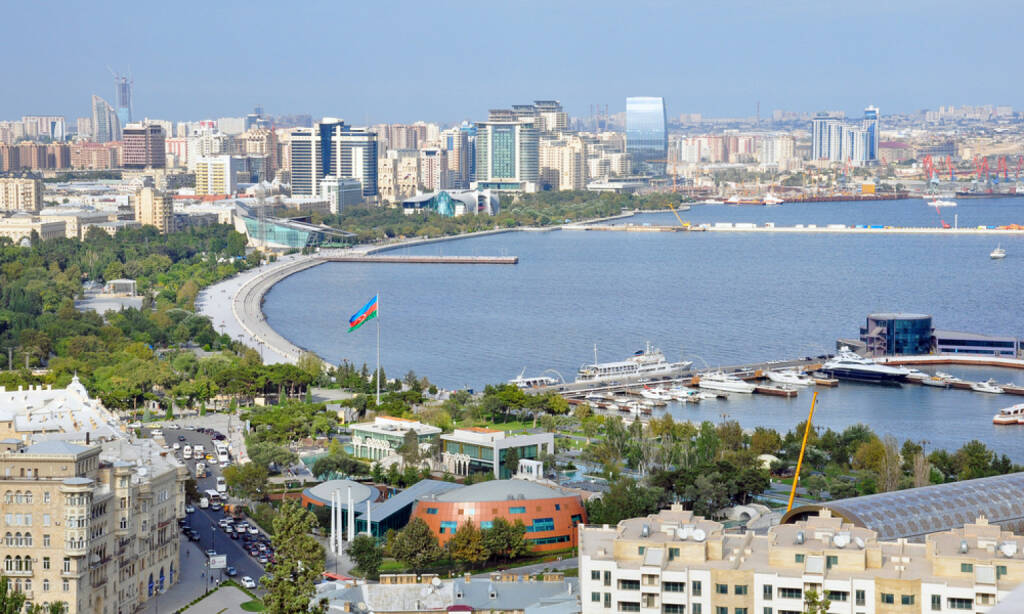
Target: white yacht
[1013,414]
[726,382]
[532,382]
[989,387]
[850,366]
[941,203]
[998,253]
[789,377]
[937,381]
[648,362]
[654,394]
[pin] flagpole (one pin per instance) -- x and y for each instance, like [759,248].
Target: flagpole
[378,349]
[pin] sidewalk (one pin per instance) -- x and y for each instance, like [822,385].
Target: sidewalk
[192,582]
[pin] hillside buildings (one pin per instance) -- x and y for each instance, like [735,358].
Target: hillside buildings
[676,562]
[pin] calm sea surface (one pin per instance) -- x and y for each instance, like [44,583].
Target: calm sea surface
[714,298]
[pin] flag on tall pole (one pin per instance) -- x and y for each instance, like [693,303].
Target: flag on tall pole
[368,312]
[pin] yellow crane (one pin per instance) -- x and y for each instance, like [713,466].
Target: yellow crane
[676,213]
[803,446]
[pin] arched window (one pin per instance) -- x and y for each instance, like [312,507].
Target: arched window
[17,495]
[17,563]
[8,539]
[8,563]
[28,540]
[17,539]
[150,585]
[8,497]
[28,497]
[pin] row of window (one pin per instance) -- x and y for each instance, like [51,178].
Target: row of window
[26,585]
[953,603]
[540,541]
[25,497]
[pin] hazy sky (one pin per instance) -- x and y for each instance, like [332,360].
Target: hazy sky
[445,61]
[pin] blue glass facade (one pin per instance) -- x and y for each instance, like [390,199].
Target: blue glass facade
[891,334]
[871,125]
[646,133]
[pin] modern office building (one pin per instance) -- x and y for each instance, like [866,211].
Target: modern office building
[143,146]
[370,507]
[675,562]
[551,515]
[956,342]
[482,450]
[106,126]
[647,133]
[886,334]
[507,156]
[21,194]
[381,438]
[330,147]
[280,234]
[341,193]
[836,140]
[154,208]
[453,203]
[871,127]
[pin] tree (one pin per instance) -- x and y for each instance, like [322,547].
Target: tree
[765,441]
[506,540]
[267,454]
[300,562]
[248,480]
[366,554]
[416,545]
[467,545]
[410,448]
[814,604]
[625,499]
[11,601]
[512,460]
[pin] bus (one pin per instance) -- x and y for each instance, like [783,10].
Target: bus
[222,453]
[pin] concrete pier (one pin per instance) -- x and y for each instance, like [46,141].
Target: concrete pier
[803,229]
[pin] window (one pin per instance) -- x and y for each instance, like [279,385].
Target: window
[595,597]
[740,611]
[722,589]
[860,597]
[673,608]
[607,600]
[831,560]
[629,606]
[46,497]
[639,549]
[956,603]
[790,593]
[967,567]
[449,527]
[766,611]
[799,558]
[46,520]
[767,591]
[541,524]
[673,553]
[721,610]
[431,510]
[1000,571]
[46,541]
[557,507]
[740,589]
[936,602]
[837,595]
[673,587]
[65,586]
[517,510]
[67,564]
[595,575]
[46,562]
[46,585]
[695,589]
[888,598]
[607,578]
[695,608]
[629,585]
[906,600]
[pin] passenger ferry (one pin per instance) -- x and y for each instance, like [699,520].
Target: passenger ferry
[646,363]
[1010,415]
[540,381]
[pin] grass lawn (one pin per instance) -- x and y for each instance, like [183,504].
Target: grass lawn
[253,606]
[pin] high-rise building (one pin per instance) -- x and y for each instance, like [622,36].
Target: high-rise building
[331,147]
[45,126]
[21,194]
[507,156]
[154,208]
[106,126]
[871,125]
[217,175]
[83,126]
[143,146]
[434,169]
[123,95]
[646,133]
[835,140]
[456,142]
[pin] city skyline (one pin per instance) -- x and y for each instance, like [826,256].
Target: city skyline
[900,59]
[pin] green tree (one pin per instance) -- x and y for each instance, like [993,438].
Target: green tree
[467,545]
[300,562]
[11,601]
[505,540]
[512,460]
[267,454]
[625,499]
[815,604]
[366,554]
[416,545]
[248,480]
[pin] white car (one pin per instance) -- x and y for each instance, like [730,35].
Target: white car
[248,582]
[156,433]
[176,446]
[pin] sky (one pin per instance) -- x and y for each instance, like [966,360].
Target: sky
[445,61]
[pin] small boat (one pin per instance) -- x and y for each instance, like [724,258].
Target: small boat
[783,390]
[705,395]
[1010,415]
[1011,388]
[710,201]
[791,378]
[725,382]
[532,382]
[654,394]
[988,386]
[936,381]
[941,203]
[916,375]
[998,253]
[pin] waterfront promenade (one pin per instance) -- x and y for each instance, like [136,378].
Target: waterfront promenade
[798,229]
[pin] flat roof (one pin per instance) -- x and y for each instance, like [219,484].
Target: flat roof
[895,315]
[972,336]
[322,492]
[502,490]
[424,488]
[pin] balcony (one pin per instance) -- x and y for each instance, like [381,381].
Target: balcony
[22,573]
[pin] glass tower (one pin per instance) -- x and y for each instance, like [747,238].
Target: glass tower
[646,134]
[871,125]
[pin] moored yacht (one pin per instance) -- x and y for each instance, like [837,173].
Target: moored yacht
[532,382]
[1013,414]
[850,366]
[726,382]
[789,377]
[989,387]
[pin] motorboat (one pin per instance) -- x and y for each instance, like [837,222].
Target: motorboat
[710,201]
[850,366]
[791,378]
[1013,414]
[726,382]
[998,253]
[987,386]
[540,381]
[646,363]
[916,375]
[654,394]
[936,381]
[941,203]
[705,395]
[681,393]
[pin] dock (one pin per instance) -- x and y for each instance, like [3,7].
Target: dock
[378,259]
[1013,229]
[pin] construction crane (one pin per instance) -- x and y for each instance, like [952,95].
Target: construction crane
[803,447]
[676,213]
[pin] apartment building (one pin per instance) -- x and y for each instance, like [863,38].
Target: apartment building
[677,563]
[21,194]
[20,227]
[154,208]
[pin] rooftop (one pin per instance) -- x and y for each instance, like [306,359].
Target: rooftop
[502,490]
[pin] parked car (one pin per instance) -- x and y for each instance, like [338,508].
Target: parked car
[210,552]
[248,582]
[189,508]
[193,535]
[231,571]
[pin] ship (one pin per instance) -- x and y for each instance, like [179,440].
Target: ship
[850,366]
[646,363]
[768,200]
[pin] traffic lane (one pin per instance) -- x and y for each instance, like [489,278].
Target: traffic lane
[215,537]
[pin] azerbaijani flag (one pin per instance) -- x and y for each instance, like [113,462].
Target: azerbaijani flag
[368,312]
